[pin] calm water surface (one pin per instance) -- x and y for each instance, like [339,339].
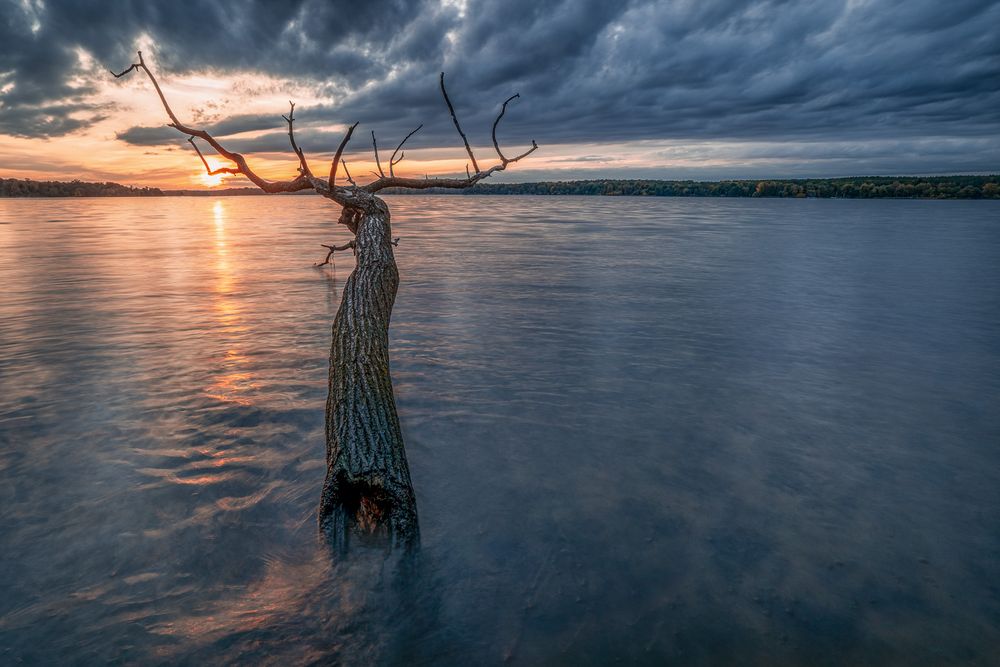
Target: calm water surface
[693,430]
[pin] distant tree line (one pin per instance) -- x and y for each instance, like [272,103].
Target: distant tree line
[868,187]
[874,187]
[12,187]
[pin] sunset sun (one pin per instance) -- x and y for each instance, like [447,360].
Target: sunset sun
[210,181]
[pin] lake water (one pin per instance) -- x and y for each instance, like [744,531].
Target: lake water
[704,431]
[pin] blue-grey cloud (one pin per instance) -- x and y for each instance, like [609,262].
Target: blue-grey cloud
[806,73]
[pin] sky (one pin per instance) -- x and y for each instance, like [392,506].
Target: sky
[685,89]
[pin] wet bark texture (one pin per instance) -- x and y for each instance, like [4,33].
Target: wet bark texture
[367,493]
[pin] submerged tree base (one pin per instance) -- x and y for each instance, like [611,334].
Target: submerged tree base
[367,513]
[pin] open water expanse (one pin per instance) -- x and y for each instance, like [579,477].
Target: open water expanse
[695,431]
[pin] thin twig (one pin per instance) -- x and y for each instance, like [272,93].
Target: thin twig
[503,110]
[290,118]
[392,159]
[348,175]
[332,249]
[380,174]
[211,172]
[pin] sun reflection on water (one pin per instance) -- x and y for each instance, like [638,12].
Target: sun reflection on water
[233,384]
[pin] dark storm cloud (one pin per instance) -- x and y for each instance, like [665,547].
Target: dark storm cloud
[588,71]
[161,134]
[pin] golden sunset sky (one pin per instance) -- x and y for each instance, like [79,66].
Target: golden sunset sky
[98,152]
[674,90]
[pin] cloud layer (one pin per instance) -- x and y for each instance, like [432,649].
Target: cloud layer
[822,78]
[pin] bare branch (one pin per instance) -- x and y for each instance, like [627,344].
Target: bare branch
[332,249]
[124,72]
[458,127]
[346,246]
[425,183]
[452,183]
[470,178]
[290,118]
[325,261]
[503,110]
[211,172]
[392,159]
[496,145]
[380,174]
[336,158]
[348,175]
[534,147]
[299,183]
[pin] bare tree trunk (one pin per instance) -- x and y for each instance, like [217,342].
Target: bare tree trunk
[367,492]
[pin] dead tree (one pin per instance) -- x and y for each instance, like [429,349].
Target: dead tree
[367,491]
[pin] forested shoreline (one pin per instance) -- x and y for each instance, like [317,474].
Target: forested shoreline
[13,187]
[875,187]
[869,187]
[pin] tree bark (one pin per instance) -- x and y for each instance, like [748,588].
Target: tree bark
[367,493]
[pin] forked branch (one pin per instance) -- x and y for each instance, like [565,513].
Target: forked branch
[299,183]
[470,178]
[392,160]
[290,118]
[334,248]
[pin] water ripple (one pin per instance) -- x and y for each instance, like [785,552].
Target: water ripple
[706,431]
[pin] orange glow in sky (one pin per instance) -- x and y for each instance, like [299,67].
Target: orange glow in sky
[96,153]
[210,181]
